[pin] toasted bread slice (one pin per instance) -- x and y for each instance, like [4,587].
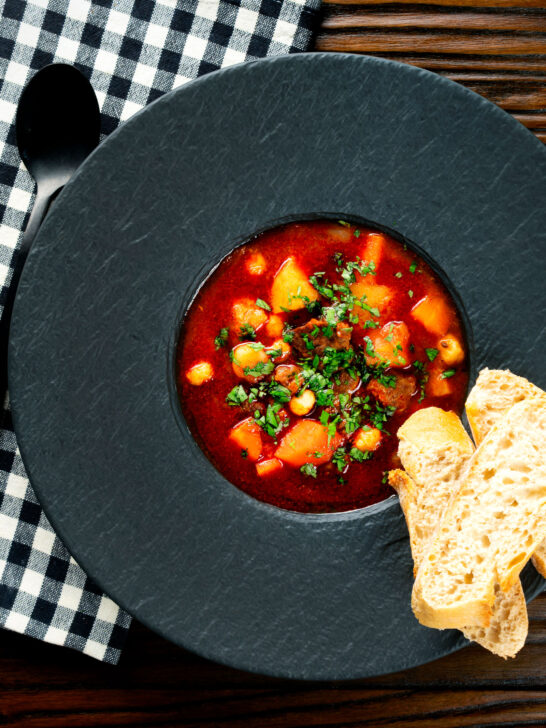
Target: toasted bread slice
[507,631]
[490,399]
[435,449]
[495,391]
[491,527]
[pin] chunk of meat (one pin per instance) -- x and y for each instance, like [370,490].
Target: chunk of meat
[344,383]
[289,375]
[311,339]
[398,396]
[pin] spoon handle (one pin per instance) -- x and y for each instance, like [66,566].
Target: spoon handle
[39,209]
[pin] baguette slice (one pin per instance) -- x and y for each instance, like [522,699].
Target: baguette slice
[490,399]
[435,449]
[507,631]
[495,391]
[491,527]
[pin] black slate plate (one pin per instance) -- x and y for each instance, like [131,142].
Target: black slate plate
[91,353]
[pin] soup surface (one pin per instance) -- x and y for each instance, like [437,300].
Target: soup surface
[304,352]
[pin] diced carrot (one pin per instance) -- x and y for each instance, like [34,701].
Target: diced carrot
[373,252]
[274,326]
[255,264]
[437,386]
[372,295]
[307,442]
[433,313]
[199,373]
[247,435]
[250,356]
[291,289]
[390,345]
[246,312]
[268,467]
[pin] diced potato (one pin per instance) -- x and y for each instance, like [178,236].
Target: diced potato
[433,313]
[255,264]
[307,442]
[245,311]
[291,288]
[451,351]
[274,326]
[248,355]
[268,467]
[390,345]
[373,252]
[374,295]
[437,386]
[200,373]
[283,347]
[247,435]
[304,403]
[367,440]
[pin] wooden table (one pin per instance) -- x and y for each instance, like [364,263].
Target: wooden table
[499,51]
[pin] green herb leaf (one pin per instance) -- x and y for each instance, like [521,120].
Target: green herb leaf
[237,396]
[448,373]
[309,469]
[431,353]
[413,267]
[398,275]
[359,456]
[262,304]
[221,339]
[410,293]
[247,332]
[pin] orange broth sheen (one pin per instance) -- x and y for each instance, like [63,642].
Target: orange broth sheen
[313,245]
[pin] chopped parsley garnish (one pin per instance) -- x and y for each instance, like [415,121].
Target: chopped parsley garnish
[345,224]
[262,304]
[309,469]
[448,373]
[244,453]
[287,334]
[413,267]
[359,455]
[247,332]
[339,459]
[271,423]
[221,339]
[237,396]
[261,369]
[431,353]
[280,393]
[410,293]
[356,233]
[398,275]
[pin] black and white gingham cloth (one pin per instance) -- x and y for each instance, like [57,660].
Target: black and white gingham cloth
[132,51]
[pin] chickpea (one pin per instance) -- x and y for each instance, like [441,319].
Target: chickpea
[283,347]
[304,403]
[248,355]
[199,373]
[367,440]
[451,351]
[274,326]
[255,264]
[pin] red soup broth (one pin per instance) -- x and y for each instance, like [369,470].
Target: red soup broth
[401,350]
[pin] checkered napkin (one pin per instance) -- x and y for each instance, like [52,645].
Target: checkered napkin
[132,51]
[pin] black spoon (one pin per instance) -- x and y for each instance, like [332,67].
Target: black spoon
[58,125]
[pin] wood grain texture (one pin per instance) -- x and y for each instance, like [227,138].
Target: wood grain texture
[497,49]
[158,684]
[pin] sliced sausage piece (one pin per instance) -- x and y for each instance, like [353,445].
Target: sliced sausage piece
[289,375]
[310,338]
[398,396]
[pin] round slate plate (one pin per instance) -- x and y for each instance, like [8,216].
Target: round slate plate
[119,256]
